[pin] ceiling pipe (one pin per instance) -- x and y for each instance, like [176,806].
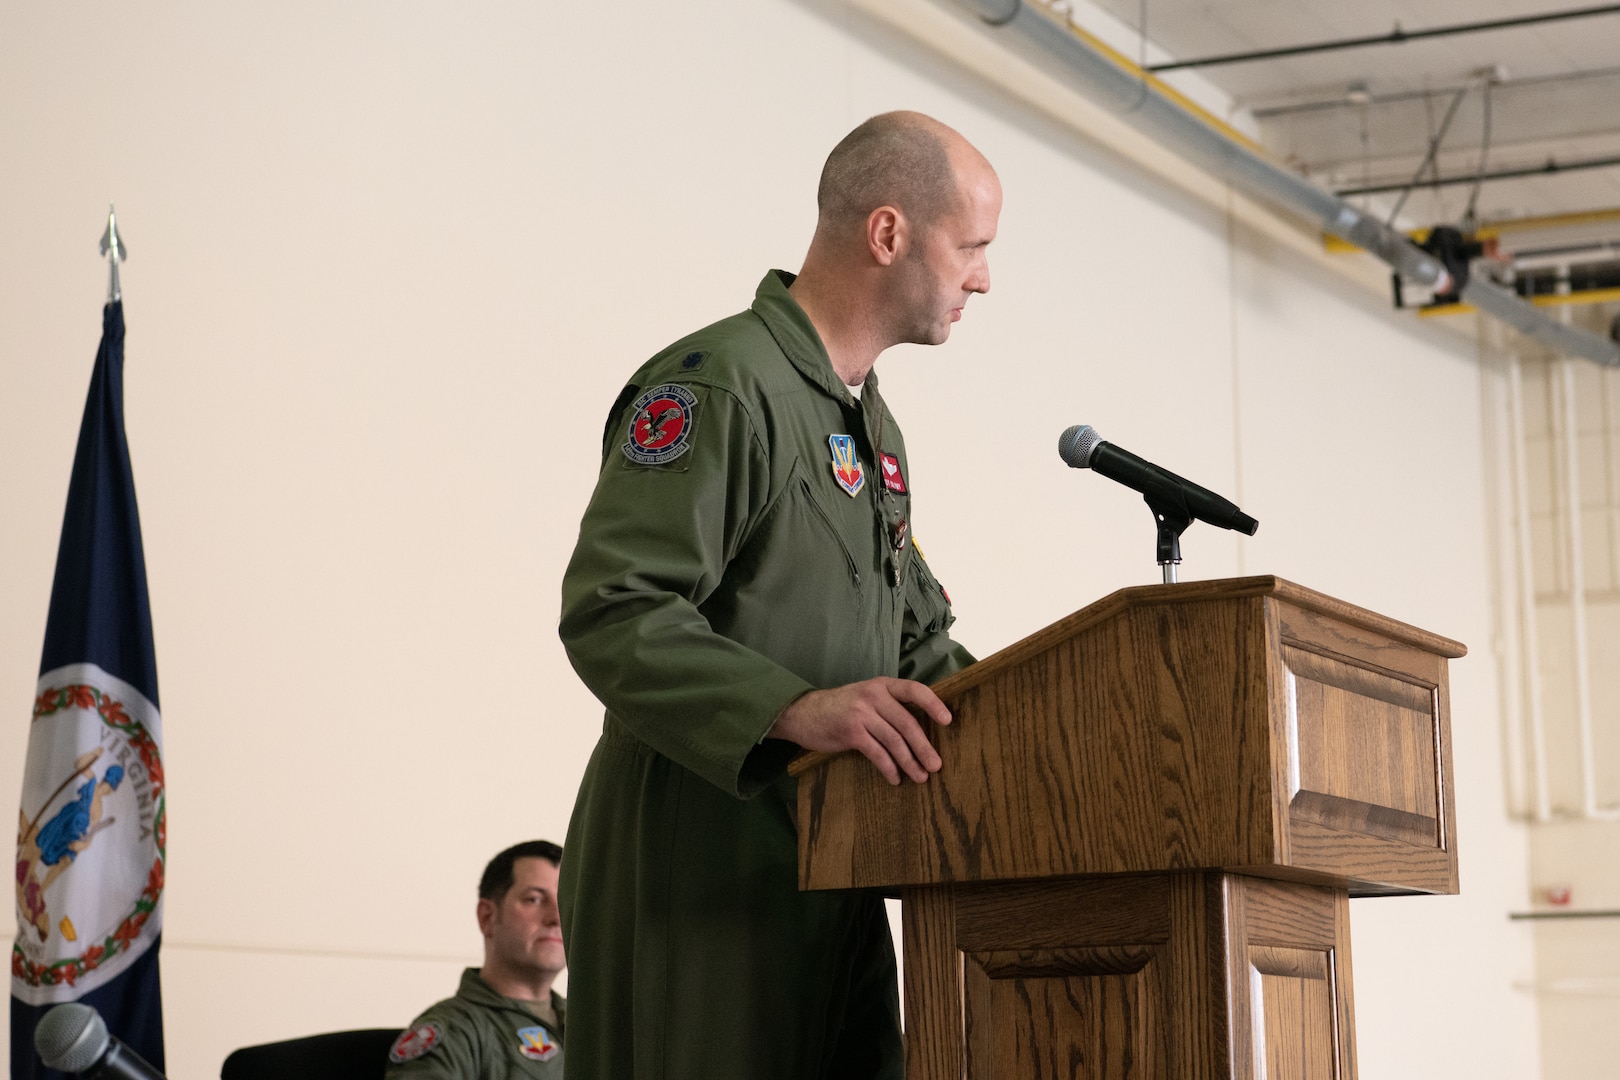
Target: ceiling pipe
[1396,36]
[1122,87]
[1345,100]
[1547,168]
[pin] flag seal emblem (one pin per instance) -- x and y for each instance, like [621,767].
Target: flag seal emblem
[415,1042]
[91,842]
[893,479]
[91,863]
[846,465]
[660,425]
[537,1044]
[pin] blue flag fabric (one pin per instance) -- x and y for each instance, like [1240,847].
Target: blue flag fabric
[91,837]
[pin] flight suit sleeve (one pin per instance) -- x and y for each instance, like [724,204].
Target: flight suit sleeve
[927,651]
[454,1055]
[653,545]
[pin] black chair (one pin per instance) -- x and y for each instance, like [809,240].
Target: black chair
[337,1055]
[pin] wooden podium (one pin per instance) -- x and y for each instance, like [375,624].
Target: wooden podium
[1137,858]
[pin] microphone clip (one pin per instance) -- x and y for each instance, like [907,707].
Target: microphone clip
[1172,521]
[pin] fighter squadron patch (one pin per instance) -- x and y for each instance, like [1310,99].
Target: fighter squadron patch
[846,465]
[660,425]
[415,1042]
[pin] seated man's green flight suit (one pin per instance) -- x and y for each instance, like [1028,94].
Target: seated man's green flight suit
[480,1035]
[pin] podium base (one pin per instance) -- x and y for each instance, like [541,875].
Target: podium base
[1213,976]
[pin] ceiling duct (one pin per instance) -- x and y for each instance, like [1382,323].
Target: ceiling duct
[1125,89]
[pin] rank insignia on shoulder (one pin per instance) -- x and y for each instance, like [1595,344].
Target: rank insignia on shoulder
[693,360]
[846,465]
[893,479]
[537,1044]
[660,425]
[415,1042]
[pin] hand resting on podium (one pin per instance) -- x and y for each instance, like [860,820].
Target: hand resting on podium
[876,717]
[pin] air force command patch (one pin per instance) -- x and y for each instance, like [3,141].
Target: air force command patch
[537,1044]
[414,1042]
[846,465]
[660,425]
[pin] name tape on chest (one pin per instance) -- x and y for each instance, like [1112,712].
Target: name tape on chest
[660,425]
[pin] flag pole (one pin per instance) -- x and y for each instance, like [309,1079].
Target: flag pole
[112,246]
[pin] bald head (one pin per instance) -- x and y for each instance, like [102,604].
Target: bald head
[908,208]
[901,159]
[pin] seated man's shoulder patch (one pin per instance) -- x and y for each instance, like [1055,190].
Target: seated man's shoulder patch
[415,1042]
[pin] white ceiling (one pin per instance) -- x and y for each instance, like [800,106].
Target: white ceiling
[1560,98]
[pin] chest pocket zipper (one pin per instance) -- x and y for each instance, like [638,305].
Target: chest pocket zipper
[826,519]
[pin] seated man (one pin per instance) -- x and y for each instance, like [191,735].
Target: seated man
[505,1020]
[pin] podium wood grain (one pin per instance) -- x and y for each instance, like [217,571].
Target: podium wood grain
[1250,725]
[1175,975]
[1137,858]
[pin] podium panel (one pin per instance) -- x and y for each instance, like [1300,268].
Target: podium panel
[1341,717]
[1249,725]
[1138,855]
[1211,975]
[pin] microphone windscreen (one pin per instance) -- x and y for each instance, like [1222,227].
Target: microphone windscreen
[71,1037]
[1076,445]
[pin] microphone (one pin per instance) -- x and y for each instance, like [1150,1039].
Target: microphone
[74,1038]
[1082,448]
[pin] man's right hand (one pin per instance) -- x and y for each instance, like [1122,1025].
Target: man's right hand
[874,717]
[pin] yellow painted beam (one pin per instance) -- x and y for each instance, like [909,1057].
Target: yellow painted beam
[1556,221]
[1494,230]
[1337,245]
[1152,80]
[1587,296]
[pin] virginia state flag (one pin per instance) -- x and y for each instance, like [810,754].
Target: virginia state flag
[90,835]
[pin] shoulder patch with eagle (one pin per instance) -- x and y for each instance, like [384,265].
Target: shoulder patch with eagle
[660,425]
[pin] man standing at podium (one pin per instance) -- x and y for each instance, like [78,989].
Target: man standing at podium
[745,585]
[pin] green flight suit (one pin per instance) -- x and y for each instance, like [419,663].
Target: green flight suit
[709,590]
[480,1035]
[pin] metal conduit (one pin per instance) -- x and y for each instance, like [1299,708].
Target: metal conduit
[1550,167]
[1396,36]
[1502,304]
[1125,89]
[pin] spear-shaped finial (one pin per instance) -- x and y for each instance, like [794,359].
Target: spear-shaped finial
[113,246]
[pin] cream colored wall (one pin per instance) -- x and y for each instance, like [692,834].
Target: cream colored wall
[391,264]
[1574,879]
[1577,959]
